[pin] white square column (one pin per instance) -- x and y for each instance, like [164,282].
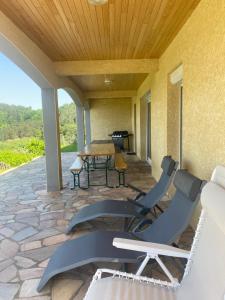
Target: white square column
[52,139]
[80,127]
[88,126]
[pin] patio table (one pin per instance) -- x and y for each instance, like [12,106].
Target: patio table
[97,150]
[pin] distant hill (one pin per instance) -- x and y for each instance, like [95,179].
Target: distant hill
[19,122]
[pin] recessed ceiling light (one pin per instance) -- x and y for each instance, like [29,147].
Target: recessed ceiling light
[107,81]
[97,2]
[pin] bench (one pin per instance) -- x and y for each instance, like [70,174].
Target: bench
[76,169]
[120,167]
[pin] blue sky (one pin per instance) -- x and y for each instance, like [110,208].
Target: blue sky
[17,88]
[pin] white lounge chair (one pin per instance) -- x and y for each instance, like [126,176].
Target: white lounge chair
[204,276]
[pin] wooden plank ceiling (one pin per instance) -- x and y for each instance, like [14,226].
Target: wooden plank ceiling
[76,30]
[118,82]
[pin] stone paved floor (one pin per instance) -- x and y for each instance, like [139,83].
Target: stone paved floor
[32,225]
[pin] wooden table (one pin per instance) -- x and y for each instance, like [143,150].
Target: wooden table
[97,150]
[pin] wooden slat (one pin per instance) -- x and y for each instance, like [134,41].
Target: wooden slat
[97,150]
[120,163]
[76,30]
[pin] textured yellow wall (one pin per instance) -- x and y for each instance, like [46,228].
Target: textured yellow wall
[141,117]
[200,47]
[173,119]
[108,115]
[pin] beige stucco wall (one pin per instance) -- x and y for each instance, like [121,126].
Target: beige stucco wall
[141,117]
[108,115]
[173,119]
[200,47]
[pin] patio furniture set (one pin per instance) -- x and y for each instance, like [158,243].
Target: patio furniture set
[150,233]
[98,156]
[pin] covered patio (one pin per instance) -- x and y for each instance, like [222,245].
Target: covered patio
[33,222]
[152,68]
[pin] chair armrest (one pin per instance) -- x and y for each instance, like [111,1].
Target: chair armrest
[136,189]
[151,249]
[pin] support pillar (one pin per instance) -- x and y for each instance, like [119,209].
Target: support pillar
[52,139]
[88,126]
[80,127]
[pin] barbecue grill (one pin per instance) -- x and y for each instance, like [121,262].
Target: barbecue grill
[119,137]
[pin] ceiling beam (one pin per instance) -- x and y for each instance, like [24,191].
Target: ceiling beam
[110,94]
[117,66]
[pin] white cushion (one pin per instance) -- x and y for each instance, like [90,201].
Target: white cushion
[213,201]
[206,280]
[218,176]
[120,289]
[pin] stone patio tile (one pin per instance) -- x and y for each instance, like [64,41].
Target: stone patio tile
[16,226]
[15,280]
[24,262]
[5,263]
[24,234]
[7,232]
[22,216]
[6,217]
[8,274]
[41,193]
[62,222]
[44,263]
[25,210]
[56,239]
[39,254]
[8,248]
[57,206]
[33,221]
[43,234]
[47,224]
[29,288]
[8,290]
[52,215]
[30,245]
[28,197]
[65,289]
[35,298]
[30,273]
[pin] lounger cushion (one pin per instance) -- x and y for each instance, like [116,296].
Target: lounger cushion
[187,184]
[168,165]
[218,176]
[213,201]
[120,288]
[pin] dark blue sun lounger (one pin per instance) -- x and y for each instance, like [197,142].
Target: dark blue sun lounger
[129,209]
[98,246]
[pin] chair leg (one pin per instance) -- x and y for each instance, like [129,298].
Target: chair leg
[76,180]
[121,177]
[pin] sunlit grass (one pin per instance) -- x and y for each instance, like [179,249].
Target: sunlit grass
[69,148]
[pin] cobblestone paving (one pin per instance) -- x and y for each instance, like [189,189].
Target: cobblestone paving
[33,222]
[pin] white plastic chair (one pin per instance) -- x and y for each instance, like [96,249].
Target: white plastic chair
[204,276]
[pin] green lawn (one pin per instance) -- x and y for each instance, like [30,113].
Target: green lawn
[13,153]
[69,148]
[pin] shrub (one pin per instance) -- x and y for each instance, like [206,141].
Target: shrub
[35,147]
[14,159]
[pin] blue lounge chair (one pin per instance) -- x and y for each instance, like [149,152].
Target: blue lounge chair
[205,269]
[129,209]
[98,246]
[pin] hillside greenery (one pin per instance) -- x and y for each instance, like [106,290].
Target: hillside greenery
[21,133]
